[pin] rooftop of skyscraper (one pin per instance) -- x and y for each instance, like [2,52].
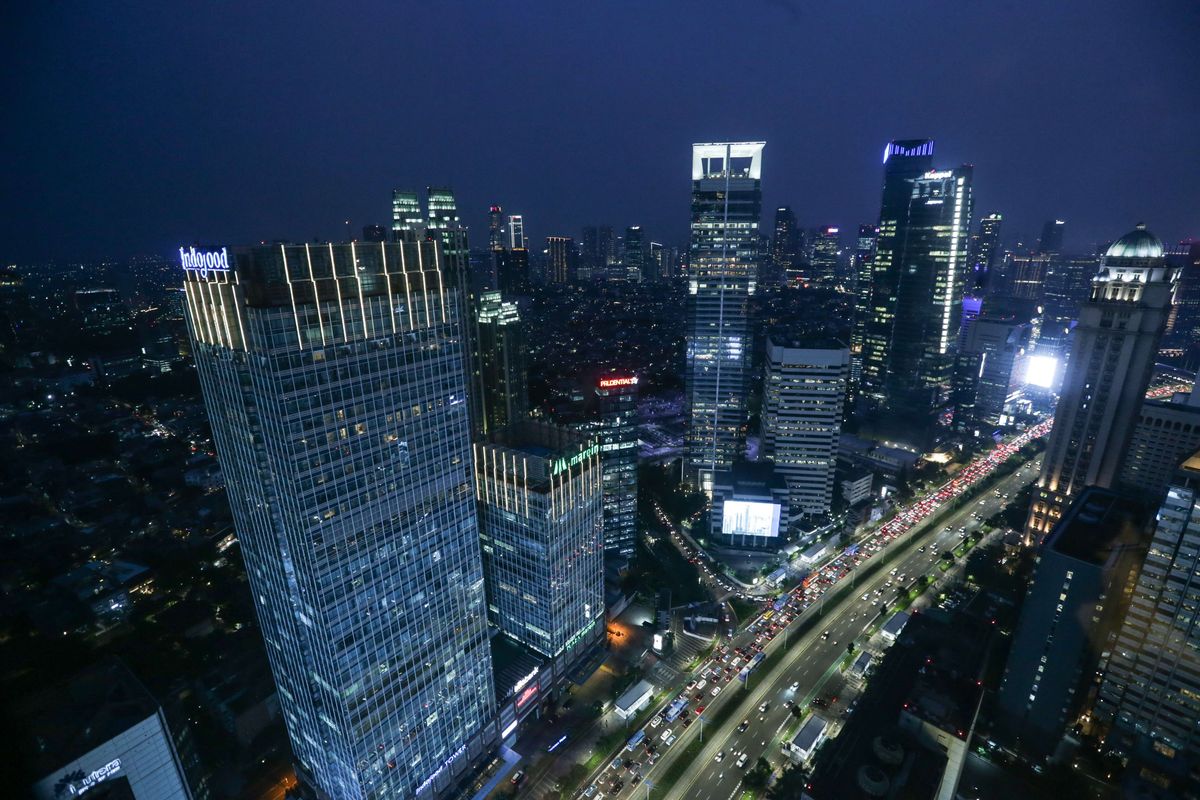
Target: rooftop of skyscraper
[1098,525]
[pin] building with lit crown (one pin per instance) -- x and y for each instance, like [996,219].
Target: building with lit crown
[334,379]
[722,277]
[1112,358]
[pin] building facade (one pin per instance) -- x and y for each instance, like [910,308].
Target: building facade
[1166,433]
[722,277]
[561,259]
[615,428]
[1151,686]
[803,398]
[540,493]
[916,289]
[334,380]
[502,386]
[1112,358]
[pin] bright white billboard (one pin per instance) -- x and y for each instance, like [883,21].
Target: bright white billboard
[1041,371]
[750,518]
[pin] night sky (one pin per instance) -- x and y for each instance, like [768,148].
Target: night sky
[133,127]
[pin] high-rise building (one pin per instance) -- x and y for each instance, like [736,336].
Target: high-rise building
[334,380]
[598,252]
[987,370]
[916,290]
[516,232]
[1051,241]
[1073,605]
[1112,358]
[722,276]
[495,227]
[864,257]
[783,247]
[561,259]
[539,490]
[985,248]
[1151,686]
[502,390]
[1167,432]
[102,311]
[637,266]
[658,262]
[803,398]
[614,426]
[408,223]
[826,250]
[1025,277]
[1183,326]
[1067,285]
[514,272]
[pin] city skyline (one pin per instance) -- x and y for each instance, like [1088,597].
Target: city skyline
[1035,125]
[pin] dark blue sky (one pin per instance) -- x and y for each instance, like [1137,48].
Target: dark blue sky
[137,126]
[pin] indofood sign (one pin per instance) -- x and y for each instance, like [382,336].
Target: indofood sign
[203,262]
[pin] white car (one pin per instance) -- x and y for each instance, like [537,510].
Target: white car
[742,759]
[654,723]
[716,691]
[795,685]
[701,685]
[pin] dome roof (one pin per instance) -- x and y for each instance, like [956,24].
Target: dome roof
[1138,243]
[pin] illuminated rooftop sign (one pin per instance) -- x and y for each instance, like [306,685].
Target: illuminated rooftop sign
[203,262]
[610,383]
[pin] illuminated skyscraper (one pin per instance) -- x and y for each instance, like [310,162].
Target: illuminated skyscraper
[597,253]
[916,290]
[614,426]
[1112,358]
[864,259]
[516,232]
[637,265]
[985,249]
[495,227]
[334,382]
[784,245]
[562,259]
[539,490]
[722,276]
[502,396]
[826,246]
[408,223]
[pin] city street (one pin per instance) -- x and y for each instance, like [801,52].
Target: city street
[810,659]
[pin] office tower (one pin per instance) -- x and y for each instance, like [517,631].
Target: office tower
[561,259]
[722,274]
[657,261]
[1051,241]
[374,233]
[783,248]
[539,491]
[1183,326]
[985,247]
[516,232]
[637,266]
[442,209]
[599,251]
[1073,604]
[334,381]
[803,398]
[613,423]
[864,257]
[100,733]
[502,360]
[514,272]
[826,247]
[495,227]
[408,222]
[1112,358]
[1025,277]
[989,365]
[916,291]
[749,502]
[1067,285]
[1151,687]
[1167,432]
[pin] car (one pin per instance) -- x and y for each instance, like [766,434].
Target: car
[616,764]
[866,596]
[699,709]
[698,696]
[742,728]
[742,759]
[795,685]
[716,691]
[719,757]
[825,635]
[762,709]
[670,740]
[616,786]
[654,723]
[516,779]
[701,684]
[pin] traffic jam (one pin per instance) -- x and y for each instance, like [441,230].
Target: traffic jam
[729,663]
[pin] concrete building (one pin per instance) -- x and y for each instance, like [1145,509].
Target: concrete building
[1112,359]
[1074,602]
[804,394]
[1167,432]
[749,501]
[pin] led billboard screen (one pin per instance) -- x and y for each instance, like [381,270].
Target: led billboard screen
[750,518]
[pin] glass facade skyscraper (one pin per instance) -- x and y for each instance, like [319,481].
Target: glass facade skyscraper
[502,383]
[722,276]
[916,289]
[408,222]
[539,490]
[615,427]
[334,381]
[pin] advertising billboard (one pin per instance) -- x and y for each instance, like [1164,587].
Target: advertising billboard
[750,518]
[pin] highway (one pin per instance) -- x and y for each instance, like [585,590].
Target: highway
[809,658]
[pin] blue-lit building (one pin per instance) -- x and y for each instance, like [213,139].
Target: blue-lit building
[334,380]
